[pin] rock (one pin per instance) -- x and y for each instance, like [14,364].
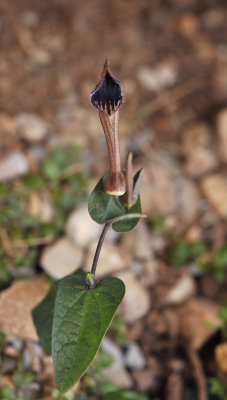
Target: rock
[157,190]
[5,380]
[221,123]
[18,302]
[8,364]
[80,228]
[187,200]
[193,234]
[197,148]
[221,356]
[13,166]
[35,355]
[116,372]
[182,291]
[31,127]
[188,25]
[30,390]
[41,207]
[151,273]
[150,378]
[134,357]
[61,258]
[166,191]
[159,77]
[112,259]
[7,123]
[191,318]
[138,243]
[215,190]
[136,302]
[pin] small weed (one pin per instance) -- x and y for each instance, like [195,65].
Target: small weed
[218,388]
[184,253]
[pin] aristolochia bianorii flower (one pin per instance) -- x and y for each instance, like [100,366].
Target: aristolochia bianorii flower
[107,97]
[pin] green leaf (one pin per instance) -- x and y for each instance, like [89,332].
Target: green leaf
[137,183]
[128,224]
[222,313]
[102,206]
[125,395]
[81,318]
[43,315]
[180,254]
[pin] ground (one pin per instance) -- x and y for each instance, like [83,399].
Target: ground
[171,58]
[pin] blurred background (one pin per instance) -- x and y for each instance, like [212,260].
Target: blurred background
[171,58]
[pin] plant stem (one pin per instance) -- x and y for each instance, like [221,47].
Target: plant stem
[99,246]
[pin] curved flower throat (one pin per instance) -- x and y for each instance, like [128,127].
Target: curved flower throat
[107,97]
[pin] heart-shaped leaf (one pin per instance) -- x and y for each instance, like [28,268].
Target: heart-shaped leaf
[81,319]
[102,206]
[43,315]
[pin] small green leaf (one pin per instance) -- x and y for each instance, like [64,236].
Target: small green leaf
[81,318]
[137,183]
[180,254]
[102,206]
[43,315]
[128,224]
[125,395]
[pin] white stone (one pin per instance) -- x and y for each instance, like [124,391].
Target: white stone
[13,166]
[61,259]
[215,189]
[182,291]
[111,260]
[136,302]
[80,228]
[31,127]
[161,76]
[116,372]
[134,357]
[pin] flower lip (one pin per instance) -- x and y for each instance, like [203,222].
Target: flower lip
[107,96]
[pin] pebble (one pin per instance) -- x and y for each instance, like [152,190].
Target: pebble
[183,290]
[161,76]
[61,258]
[13,166]
[187,203]
[30,391]
[31,127]
[221,123]
[18,302]
[41,207]
[150,378]
[198,150]
[215,190]
[167,191]
[112,259]
[136,302]
[80,228]
[138,243]
[221,356]
[134,357]
[116,372]
[8,364]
